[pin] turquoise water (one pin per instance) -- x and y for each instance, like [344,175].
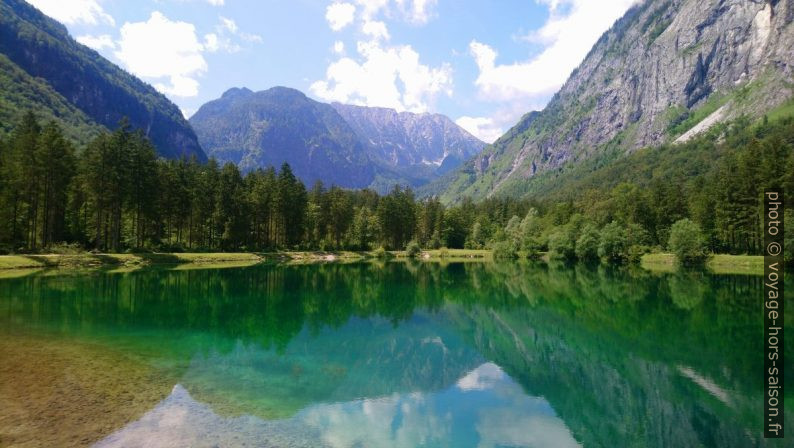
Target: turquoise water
[395,354]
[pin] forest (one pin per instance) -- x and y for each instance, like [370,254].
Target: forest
[115,195]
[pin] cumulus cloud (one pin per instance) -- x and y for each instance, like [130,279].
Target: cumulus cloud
[572,29]
[380,74]
[222,38]
[340,15]
[161,49]
[374,80]
[72,12]
[169,53]
[375,29]
[97,43]
[484,128]
[370,8]
[417,11]
[565,38]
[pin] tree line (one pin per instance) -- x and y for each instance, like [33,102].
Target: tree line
[116,195]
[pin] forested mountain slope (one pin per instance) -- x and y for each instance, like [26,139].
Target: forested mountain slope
[43,69]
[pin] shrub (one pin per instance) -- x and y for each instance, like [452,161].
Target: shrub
[443,252]
[381,252]
[412,249]
[687,242]
[635,252]
[503,250]
[65,249]
[587,244]
[561,246]
[612,245]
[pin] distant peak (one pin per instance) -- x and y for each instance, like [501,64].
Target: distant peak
[236,91]
[281,90]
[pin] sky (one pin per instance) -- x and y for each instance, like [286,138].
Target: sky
[482,63]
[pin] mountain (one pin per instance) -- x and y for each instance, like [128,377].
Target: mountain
[665,72]
[349,146]
[416,146]
[268,128]
[43,69]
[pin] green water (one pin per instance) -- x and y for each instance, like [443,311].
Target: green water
[395,354]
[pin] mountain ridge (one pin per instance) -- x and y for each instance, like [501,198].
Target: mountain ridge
[104,93]
[387,146]
[260,129]
[656,74]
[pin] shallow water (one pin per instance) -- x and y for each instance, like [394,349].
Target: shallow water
[395,354]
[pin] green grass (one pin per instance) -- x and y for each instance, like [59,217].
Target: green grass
[204,260]
[714,102]
[88,260]
[718,264]
[784,110]
[447,254]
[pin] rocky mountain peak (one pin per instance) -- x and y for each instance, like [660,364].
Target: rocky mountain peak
[665,71]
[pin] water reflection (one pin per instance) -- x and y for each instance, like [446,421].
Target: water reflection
[464,354]
[503,416]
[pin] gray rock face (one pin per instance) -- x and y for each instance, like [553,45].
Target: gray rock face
[404,140]
[659,71]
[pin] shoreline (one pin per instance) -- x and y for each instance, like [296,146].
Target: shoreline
[135,260]
[664,262]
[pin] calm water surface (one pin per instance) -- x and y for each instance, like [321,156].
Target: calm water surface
[382,355]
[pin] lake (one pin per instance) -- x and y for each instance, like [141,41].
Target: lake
[394,354]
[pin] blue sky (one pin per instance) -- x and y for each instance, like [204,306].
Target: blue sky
[482,63]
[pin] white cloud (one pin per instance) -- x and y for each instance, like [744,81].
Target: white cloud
[221,39]
[169,53]
[160,48]
[484,128]
[187,112]
[572,29]
[375,29]
[228,27]
[374,80]
[340,15]
[98,43]
[228,24]
[72,12]
[211,42]
[417,11]
[381,74]
[484,377]
[370,8]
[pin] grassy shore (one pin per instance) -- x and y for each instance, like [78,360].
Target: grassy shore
[186,260]
[89,260]
[719,264]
